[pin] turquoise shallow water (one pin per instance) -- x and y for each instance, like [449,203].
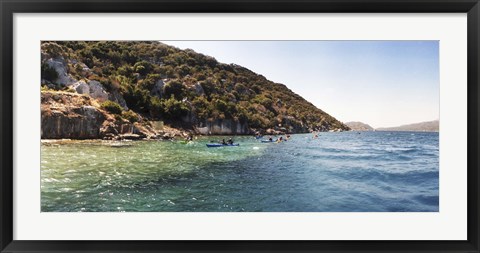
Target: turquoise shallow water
[337,172]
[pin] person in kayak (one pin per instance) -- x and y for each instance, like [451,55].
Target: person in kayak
[270,139]
[223,142]
[230,141]
[280,139]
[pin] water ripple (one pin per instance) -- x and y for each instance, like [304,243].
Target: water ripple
[338,172]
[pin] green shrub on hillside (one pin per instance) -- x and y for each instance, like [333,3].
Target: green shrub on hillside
[156,108]
[130,116]
[174,109]
[174,88]
[111,107]
[142,67]
[132,69]
[149,82]
[137,98]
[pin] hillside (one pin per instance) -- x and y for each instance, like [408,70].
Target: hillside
[144,82]
[428,126]
[359,126]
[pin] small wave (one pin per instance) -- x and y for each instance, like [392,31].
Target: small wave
[401,150]
[333,173]
[410,177]
[333,150]
[344,157]
[427,199]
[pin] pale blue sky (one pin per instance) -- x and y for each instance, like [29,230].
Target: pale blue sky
[381,83]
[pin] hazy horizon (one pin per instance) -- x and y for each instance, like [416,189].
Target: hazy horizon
[379,83]
[397,125]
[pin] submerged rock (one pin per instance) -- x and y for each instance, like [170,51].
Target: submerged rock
[131,136]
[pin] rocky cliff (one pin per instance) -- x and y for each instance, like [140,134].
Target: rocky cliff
[111,89]
[72,116]
[67,115]
[359,126]
[220,127]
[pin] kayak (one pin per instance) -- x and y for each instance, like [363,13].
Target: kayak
[216,145]
[268,141]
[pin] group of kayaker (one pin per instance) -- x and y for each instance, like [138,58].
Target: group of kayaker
[278,140]
[257,136]
[229,142]
[222,143]
[189,138]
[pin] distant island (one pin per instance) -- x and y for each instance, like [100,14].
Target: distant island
[149,90]
[359,126]
[428,126]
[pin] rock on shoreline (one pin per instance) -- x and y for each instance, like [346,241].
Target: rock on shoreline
[68,115]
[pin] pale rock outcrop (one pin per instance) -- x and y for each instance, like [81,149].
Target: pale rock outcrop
[97,91]
[199,89]
[225,126]
[93,88]
[69,116]
[157,90]
[115,96]
[81,87]
[60,66]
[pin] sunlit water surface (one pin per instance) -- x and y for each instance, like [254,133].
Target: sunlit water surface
[337,172]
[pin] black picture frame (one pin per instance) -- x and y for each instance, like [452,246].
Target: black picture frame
[9,7]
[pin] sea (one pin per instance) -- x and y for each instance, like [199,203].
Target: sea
[335,172]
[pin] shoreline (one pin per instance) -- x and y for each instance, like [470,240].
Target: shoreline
[180,138]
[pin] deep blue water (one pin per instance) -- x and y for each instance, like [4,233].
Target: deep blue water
[337,172]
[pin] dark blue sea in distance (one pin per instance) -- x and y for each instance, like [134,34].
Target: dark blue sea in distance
[336,172]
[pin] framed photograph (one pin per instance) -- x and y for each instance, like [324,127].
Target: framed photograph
[239,126]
